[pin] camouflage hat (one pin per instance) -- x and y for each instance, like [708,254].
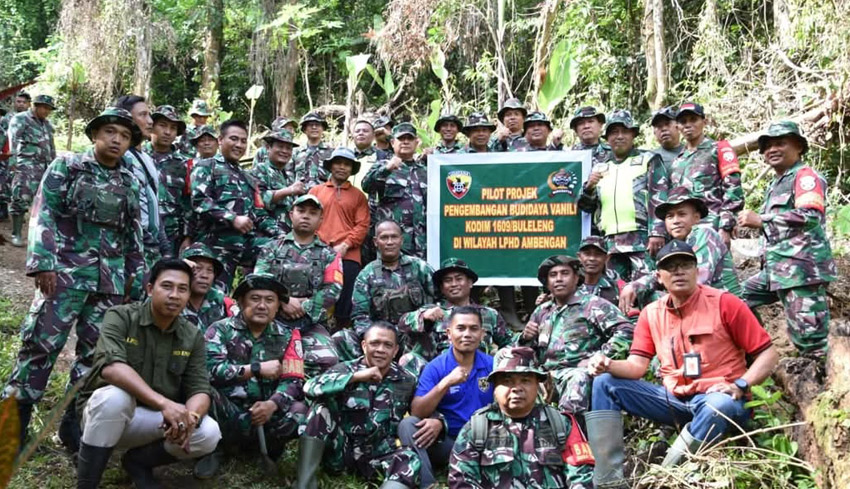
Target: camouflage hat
[382,121]
[281,135]
[114,115]
[448,118]
[690,108]
[597,242]
[668,112]
[555,260]
[676,247]
[282,122]
[168,112]
[781,129]
[536,117]
[404,128]
[680,195]
[453,265]
[515,359]
[344,154]
[200,250]
[586,112]
[511,104]
[200,107]
[308,199]
[44,100]
[313,117]
[261,281]
[477,119]
[200,131]
[621,117]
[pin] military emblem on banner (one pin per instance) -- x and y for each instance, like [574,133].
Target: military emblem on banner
[459,182]
[563,182]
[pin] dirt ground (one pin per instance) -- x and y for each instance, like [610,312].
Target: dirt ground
[14,284]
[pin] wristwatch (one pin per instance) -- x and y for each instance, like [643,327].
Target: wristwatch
[255,369]
[742,384]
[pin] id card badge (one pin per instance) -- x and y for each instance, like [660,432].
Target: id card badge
[693,366]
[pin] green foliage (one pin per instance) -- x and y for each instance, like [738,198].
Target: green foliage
[560,77]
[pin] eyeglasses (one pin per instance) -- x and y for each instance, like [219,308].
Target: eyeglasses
[675,267]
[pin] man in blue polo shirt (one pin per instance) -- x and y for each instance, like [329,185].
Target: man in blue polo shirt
[451,388]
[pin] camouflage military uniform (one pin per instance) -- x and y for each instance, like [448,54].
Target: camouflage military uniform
[608,287]
[441,148]
[31,144]
[308,271]
[87,230]
[270,179]
[359,422]
[175,206]
[798,261]
[517,454]
[230,344]
[718,182]
[513,142]
[402,196]
[308,164]
[367,159]
[571,334]
[215,305]
[221,191]
[184,142]
[382,294]
[5,162]
[424,340]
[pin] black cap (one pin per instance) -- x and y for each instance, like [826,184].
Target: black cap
[674,248]
[668,112]
[691,108]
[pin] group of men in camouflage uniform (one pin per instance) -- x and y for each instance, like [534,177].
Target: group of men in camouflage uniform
[153,188]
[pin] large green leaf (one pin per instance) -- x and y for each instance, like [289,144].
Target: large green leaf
[560,77]
[438,65]
[355,65]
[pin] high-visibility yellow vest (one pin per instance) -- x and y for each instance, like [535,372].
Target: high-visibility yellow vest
[616,194]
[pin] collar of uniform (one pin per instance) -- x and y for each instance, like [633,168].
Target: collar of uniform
[290,236]
[393,374]
[402,260]
[274,328]
[687,306]
[469,149]
[456,145]
[366,152]
[123,165]
[344,186]
[496,414]
[146,318]
[791,171]
[220,158]
[706,143]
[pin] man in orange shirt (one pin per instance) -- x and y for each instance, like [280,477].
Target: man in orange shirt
[345,223]
[702,337]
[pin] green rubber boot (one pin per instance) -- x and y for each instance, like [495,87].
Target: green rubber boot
[605,435]
[310,451]
[17,225]
[685,444]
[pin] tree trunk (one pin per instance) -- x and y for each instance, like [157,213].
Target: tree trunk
[212,46]
[286,71]
[649,50]
[144,52]
[782,23]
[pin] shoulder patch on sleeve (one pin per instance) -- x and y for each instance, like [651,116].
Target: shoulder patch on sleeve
[727,159]
[808,190]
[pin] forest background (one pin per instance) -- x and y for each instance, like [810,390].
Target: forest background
[748,62]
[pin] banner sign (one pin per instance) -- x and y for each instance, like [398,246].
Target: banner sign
[504,213]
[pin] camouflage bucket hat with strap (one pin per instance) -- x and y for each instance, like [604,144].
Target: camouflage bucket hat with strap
[200,131]
[453,265]
[535,117]
[200,250]
[344,154]
[261,281]
[448,118]
[586,112]
[511,104]
[114,115]
[782,129]
[280,135]
[44,100]
[200,107]
[555,260]
[621,117]
[477,119]
[167,112]
[313,117]
[517,359]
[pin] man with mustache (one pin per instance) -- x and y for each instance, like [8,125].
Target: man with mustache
[175,208]
[228,206]
[711,349]
[207,304]
[707,168]
[477,130]
[356,410]
[86,256]
[516,441]
[278,187]
[682,214]
[426,331]
[452,387]
[386,289]
[257,373]
[31,144]
[797,261]
[618,192]
[312,272]
[148,391]
[587,123]
[566,331]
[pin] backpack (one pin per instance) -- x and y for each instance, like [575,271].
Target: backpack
[479,427]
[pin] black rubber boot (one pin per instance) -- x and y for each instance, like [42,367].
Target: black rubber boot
[24,416]
[91,462]
[69,429]
[140,462]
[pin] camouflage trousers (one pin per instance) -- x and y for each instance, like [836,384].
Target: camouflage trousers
[25,182]
[573,387]
[233,250]
[399,465]
[45,331]
[319,350]
[5,180]
[630,266]
[347,344]
[806,311]
[235,422]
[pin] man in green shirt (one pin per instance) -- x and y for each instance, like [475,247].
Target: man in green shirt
[148,391]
